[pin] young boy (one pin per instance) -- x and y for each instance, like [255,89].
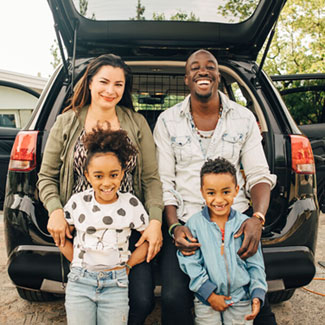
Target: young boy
[225,286]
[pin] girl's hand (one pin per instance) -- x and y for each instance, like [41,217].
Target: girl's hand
[256,305]
[57,226]
[153,236]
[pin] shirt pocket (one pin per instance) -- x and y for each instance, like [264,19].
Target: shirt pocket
[182,146]
[232,143]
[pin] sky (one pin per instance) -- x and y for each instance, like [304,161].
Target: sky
[26,34]
[27,28]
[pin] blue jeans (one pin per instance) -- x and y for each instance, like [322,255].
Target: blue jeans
[97,297]
[234,315]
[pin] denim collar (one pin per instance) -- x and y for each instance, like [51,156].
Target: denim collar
[206,215]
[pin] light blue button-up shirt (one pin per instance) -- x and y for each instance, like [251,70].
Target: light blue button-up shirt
[181,154]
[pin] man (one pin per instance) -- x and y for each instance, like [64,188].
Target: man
[206,125]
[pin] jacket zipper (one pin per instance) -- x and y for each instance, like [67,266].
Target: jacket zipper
[223,253]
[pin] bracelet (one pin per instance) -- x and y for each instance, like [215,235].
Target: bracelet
[172,227]
[260,217]
[128,266]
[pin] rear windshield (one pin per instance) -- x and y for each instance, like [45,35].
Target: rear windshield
[228,11]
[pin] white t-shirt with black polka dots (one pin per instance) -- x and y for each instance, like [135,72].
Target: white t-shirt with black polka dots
[103,230]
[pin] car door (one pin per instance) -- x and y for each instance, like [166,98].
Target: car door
[304,95]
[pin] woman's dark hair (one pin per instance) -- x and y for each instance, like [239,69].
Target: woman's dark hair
[218,166]
[81,95]
[104,140]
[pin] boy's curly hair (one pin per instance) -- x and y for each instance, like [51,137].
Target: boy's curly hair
[103,140]
[218,166]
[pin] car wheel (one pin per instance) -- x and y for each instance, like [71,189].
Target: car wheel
[39,296]
[279,296]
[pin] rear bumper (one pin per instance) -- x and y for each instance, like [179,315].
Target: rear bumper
[42,268]
[38,268]
[293,267]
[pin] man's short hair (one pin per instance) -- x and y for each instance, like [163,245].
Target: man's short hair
[218,166]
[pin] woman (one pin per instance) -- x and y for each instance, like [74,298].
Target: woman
[104,94]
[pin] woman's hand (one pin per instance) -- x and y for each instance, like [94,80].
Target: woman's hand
[58,227]
[153,236]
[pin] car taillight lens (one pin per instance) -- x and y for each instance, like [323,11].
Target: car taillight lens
[23,152]
[302,155]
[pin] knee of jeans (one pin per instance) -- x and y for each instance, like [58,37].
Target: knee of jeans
[142,304]
[176,299]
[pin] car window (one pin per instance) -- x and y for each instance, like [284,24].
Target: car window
[158,91]
[8,120]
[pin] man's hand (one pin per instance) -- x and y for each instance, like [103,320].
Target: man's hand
[184,240]
[217,302]
[252,229]
[256,305]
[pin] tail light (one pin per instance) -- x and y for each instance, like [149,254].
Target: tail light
[23,152]
[302,155]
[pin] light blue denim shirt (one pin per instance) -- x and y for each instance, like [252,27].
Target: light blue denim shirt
[226,274]
[181,156]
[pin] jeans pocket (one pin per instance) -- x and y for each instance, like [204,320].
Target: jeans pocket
[122,281]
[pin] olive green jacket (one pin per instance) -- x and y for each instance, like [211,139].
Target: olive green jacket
[56,177]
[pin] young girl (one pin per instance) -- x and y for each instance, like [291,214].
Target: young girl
[97,290]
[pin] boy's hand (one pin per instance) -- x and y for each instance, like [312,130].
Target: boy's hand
[256,305]
[185,241]
[217,302]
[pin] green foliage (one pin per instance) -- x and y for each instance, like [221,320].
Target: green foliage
[139,12]
[235,10]
[178,16]
[298,46]
[56,55]
[183,16]
[305,100]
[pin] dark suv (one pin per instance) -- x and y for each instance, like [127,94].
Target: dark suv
[157,51]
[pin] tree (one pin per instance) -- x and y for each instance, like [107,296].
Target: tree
[298,46]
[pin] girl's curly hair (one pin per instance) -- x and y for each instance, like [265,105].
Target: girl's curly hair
[103,140]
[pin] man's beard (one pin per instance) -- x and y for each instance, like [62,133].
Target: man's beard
[203,96]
